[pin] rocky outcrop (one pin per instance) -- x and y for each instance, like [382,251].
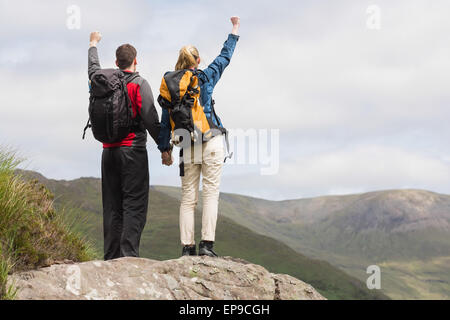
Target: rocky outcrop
[143,279]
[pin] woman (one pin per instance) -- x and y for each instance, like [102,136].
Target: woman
[212,151]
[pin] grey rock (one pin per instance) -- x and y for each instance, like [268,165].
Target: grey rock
[186,278]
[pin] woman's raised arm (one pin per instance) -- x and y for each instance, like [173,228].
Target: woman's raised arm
[216,68]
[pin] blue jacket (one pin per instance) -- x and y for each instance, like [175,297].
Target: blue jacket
[208,80]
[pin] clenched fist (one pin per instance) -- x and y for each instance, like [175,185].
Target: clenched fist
[95,38]
[236,21]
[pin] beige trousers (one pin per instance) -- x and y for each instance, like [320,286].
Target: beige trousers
[210,166]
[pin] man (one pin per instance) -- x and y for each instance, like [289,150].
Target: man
[125,175]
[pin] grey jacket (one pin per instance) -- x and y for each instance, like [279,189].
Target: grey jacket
[142,103]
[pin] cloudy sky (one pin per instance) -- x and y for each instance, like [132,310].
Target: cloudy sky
[357,108]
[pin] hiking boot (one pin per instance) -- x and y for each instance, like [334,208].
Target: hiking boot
[205,248]
[189,251]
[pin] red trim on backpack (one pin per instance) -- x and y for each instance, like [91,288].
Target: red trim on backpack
[135,97]
[136,105]
[127,142]
[138,99]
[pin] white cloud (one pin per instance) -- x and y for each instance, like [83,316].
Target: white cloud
[353,170]
[345,74]
[367,166]
[358,109]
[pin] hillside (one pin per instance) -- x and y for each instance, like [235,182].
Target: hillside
[32,233]
[405,232]
[81,199]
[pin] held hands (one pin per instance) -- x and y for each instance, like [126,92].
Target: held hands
[166,157]
[236,21]
[95,38]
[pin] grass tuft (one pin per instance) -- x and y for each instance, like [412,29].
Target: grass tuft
[32,233]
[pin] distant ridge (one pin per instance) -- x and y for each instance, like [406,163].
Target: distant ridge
[405,232]
[81,199]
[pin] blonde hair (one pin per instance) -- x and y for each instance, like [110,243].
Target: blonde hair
[187,58]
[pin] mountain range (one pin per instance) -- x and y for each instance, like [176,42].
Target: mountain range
[326,241]
[405,232]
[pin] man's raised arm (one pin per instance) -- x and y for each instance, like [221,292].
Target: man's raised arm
[93,61]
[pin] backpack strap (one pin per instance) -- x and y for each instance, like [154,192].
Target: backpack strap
[201,81]
[88,125]
[227,143]
[213,110]
[132,77]
[138,124]
[224,132]
[190,88]
[181,163]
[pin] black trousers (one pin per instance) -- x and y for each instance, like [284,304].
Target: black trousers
[125,187]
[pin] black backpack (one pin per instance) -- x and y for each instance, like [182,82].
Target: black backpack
[110,112]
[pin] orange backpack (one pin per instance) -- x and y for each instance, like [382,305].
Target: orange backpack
[180,95]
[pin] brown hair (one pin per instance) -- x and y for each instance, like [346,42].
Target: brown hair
[125,55]
[187,58]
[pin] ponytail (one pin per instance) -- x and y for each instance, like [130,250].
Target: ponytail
[187,58]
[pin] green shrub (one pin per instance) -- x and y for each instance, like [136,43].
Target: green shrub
[32,233]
